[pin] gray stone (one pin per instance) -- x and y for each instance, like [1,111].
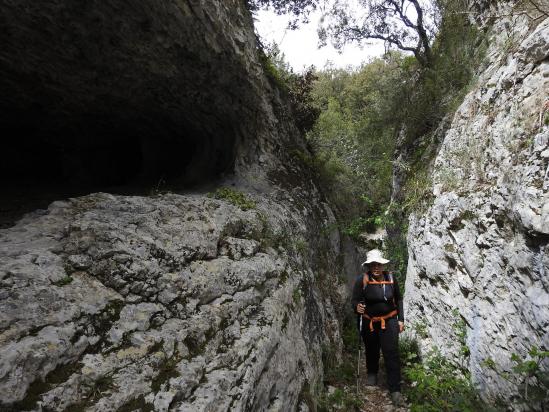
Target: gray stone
[480,252]
[200,324]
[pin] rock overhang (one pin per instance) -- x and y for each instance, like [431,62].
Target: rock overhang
[107,94]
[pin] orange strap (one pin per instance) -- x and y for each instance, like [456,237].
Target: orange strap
[365,281]
[380,319]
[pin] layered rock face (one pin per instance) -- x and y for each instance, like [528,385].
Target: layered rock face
[164,302]
[480,253]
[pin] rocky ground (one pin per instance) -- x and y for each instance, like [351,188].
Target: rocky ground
[376,399]
[368,398]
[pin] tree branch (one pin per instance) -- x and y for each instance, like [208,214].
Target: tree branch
[399,9]
[424,37]
[538,8]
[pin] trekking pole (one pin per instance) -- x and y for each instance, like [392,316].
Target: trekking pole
[358,371]
[358,362]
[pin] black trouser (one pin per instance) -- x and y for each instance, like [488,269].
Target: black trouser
[387,340]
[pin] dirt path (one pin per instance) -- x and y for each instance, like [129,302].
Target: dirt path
[376,398]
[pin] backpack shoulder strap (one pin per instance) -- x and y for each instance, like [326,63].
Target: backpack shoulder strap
[387,280]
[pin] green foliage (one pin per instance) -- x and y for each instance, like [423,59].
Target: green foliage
[352,141]
[409,351]
[298,9]
[300,246]
[434,382]
[296,296]
[360,114]
[341,372]
[337,370]
[349,335]
[406,25]
[64,281]
[272,71]
[437,385]
[342,399]
[421,329]
[460,329]
[337,182]
[417,192]
[527,374]
[428,95]
[234,197]
[356,227]
[297,87]
[396,246]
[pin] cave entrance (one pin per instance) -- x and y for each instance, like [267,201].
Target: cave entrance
[45,158]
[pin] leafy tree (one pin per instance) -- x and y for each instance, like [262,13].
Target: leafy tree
[299,9]
[354,138]
[298,86]
[405,24]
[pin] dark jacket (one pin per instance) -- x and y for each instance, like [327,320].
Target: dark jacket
[378,302]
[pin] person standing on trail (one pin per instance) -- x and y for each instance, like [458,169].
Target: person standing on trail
[377,300]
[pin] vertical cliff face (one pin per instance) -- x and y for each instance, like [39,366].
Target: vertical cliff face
[480,253]
[169,301]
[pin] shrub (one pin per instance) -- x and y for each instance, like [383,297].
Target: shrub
[527,374]
[234,197]
[437,385]
[342,399]
[295,86]
[409,351]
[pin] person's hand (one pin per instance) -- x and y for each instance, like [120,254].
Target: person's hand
[360,308]
[400,326]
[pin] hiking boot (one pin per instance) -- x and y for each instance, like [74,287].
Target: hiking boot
[397,399]
[371,379]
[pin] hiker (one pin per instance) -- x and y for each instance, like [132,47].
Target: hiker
[376,297]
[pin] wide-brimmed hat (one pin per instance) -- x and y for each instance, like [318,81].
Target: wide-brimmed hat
[375,255]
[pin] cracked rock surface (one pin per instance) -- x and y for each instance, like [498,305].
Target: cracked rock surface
[480,253]
[158,303]
[163,302]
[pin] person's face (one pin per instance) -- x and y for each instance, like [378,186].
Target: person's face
[376,268]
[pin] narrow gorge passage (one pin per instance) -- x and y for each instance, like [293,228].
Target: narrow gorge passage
[183,215]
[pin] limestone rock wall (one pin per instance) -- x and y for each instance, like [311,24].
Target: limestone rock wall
[164,303]
[169,301]
[480,253]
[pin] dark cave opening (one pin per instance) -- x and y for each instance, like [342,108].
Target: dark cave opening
[47,157]
[120,98]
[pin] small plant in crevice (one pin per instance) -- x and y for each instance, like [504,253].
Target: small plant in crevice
[338,390]
[460,329]
[234,197]
[64,281]
[420,328]
[435,382]
[296,296]
[418,193]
